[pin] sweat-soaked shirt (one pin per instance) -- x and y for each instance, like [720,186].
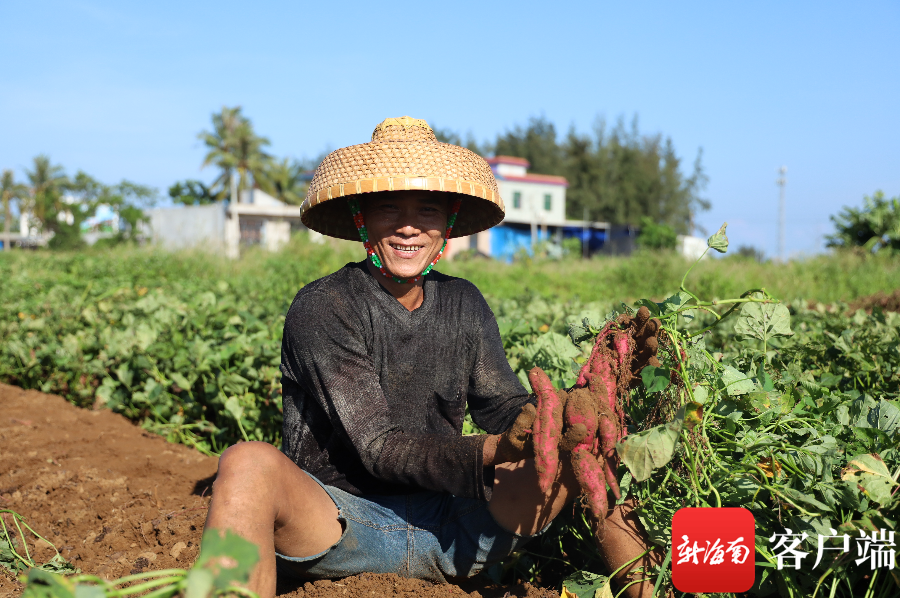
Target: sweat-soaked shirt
[375,395]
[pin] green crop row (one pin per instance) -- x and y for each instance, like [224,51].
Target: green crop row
[189,345]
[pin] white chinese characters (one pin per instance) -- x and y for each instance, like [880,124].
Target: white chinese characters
[877,548]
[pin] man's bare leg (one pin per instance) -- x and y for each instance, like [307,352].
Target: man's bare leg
[519,505]
[261,495]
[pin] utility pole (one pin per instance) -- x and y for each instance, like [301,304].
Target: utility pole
[781,181]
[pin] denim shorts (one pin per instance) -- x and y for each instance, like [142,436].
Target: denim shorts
[426,535]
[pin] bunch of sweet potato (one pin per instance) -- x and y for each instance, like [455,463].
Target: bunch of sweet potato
[588,420]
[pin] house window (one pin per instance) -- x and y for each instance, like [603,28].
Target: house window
[251,230]
[548,202]
[517,199]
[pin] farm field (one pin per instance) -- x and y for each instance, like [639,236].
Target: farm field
[188,346]
[116,500]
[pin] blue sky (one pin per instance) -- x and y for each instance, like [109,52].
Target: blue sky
[121,89]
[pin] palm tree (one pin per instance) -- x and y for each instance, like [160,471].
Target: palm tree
[234,147]
[285,181]
[10,190]
[48,182]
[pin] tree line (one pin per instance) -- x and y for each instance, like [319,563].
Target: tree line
[58,204]
[616,174]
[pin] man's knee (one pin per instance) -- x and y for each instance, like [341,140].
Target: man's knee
[253,460]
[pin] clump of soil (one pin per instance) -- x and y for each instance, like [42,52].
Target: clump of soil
[887,301]
[117,500]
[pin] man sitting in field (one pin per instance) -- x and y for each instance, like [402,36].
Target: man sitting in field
[380,360]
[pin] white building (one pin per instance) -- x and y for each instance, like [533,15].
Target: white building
[535,211]
[258,219]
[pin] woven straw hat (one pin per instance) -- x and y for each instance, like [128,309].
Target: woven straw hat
[404,154]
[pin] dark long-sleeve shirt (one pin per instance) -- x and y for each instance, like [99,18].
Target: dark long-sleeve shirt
[375,395]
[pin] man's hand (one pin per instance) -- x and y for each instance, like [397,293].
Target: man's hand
[515,444]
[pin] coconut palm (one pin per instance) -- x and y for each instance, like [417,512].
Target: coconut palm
[234,147]
[9,191]
[284,180]
[47,181]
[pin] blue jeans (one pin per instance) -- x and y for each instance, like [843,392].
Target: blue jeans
[426,535]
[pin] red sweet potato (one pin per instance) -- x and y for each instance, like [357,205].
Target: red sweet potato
[590,476]
[573,436]
[609,434]
[547,428]
[603,380]
[621,343]
[599,345]
[581,410]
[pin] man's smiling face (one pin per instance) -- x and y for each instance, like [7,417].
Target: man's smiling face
[406,229]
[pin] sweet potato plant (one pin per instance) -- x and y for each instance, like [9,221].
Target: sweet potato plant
[778,407]
[800,427]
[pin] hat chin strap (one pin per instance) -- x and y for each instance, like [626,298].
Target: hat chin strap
[364,237]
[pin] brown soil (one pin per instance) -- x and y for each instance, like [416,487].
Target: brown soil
[887,301]
[391,585]
[117,500]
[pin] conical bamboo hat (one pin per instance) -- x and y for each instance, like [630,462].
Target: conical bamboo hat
[404,154]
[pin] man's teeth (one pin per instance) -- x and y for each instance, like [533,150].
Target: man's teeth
[407,248]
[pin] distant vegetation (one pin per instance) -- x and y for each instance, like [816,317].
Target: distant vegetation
[59,204]
[616,175]
[188,345]
[874,227]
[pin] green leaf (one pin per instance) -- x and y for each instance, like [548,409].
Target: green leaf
[763,321]
[651,305]
[870,472]
[523,378]
[885,417]
[578,333]
[719,241]
[227,557]
[736,382]
[802,498]
[764,379]
[655,378]
[145,335]
[199,583]
[701,394]
[105,390]
[673,303]
[553,353]
[830,381]
[47,584]
[651,449]
[180,380]
[232,404]
[587,584]
[125,375]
